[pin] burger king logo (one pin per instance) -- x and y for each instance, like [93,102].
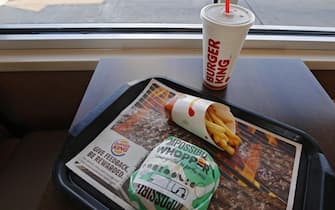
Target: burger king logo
[120,147]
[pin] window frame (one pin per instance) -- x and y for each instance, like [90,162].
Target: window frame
[68,47]
[128,35]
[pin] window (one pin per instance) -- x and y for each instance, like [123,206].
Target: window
[285,24]
[282,12]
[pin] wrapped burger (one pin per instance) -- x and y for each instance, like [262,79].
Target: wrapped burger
[175,175]
[209,120]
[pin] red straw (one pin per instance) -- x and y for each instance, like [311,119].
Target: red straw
[227,6]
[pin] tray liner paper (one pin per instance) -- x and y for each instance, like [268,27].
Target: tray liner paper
[261,174]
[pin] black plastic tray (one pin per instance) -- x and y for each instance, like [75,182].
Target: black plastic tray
[315,184]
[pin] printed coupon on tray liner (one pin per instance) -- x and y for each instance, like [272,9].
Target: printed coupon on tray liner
[107,163]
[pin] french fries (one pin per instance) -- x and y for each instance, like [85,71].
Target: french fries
[220,125]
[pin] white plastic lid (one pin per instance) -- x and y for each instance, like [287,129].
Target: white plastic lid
[237,16]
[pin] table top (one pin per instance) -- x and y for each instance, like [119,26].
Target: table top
[281,89]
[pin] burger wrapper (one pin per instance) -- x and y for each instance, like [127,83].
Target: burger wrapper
[175,175]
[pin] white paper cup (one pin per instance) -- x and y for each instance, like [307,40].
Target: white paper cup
[223,38]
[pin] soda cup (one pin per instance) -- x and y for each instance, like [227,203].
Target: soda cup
[223,38]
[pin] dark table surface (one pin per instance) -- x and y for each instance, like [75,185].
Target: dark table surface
[281,89]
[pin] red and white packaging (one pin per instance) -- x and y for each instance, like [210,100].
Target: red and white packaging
[189,112]
[223,38]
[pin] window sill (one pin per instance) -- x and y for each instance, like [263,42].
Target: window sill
[86,59]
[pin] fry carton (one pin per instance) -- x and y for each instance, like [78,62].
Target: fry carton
[209,120]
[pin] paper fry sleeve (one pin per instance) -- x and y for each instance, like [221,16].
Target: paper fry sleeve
[211,121]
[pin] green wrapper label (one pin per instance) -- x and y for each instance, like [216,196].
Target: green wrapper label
[175,175]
